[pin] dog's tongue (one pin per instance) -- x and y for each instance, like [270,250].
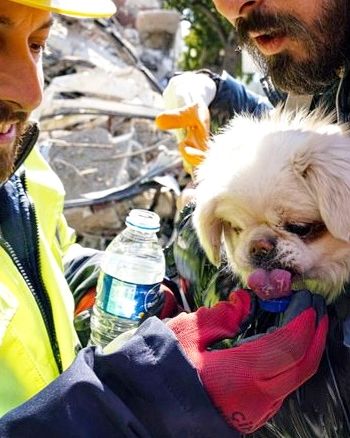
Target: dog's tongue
[270,284]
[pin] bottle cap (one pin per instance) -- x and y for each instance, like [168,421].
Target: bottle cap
[143,220]
[275,305]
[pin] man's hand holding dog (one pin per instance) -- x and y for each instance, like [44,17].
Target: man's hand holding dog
[249,382]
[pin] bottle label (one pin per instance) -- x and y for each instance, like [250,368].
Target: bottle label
[126,300]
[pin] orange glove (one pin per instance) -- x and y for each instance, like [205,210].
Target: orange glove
[187,98]
[194,120]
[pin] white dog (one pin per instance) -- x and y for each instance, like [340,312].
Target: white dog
[276,191]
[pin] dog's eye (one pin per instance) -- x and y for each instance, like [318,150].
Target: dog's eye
[237,230]
[301,230]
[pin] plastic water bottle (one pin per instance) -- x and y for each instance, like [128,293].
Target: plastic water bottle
[128,286]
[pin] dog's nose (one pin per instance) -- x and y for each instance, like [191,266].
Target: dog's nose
[262,248]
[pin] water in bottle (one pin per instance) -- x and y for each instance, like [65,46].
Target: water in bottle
[132,269]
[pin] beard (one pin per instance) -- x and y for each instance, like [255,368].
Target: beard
[9,154]
[326,47]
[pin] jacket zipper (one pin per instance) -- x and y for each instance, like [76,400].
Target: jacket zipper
[31,138]
[46,315]
[44,307]
[42,300]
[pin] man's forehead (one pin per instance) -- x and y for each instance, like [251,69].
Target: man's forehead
[6,21]
[18,15]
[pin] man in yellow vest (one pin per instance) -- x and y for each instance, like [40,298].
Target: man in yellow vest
[164,381]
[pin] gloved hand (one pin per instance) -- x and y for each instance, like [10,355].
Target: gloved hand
[248,382]
[192,141]
[187,98]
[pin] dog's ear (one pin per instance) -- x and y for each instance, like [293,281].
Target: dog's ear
[323,164]
[209,230]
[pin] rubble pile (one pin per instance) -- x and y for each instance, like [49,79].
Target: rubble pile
[104,80]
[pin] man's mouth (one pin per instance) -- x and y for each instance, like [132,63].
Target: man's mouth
[5,127]
[7,132]
[269,43]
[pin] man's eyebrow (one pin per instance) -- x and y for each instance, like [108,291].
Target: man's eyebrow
[7,22]
[47,24]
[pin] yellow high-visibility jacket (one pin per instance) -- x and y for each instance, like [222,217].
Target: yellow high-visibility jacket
[27,362]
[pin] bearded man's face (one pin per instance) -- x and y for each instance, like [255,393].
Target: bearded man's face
[300,44]
[23,33]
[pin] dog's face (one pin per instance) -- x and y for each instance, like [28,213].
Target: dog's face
[276,192]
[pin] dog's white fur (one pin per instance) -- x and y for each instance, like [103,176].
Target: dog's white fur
[260,178]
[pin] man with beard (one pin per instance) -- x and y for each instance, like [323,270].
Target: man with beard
[164,381]
[304,49]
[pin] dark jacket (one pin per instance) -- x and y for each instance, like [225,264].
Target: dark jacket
[147,389]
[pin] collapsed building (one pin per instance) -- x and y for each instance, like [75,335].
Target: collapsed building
[104,80]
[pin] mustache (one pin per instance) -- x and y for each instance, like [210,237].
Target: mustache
[258,21]
[9,114]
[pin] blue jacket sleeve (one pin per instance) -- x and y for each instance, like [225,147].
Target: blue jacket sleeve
[232,97]
[145,389]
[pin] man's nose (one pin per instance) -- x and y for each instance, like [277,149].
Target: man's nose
[21,82]
[241,8]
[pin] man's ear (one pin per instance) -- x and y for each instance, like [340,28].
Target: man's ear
[209,230]
[323,165]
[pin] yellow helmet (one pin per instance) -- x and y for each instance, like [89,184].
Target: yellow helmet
[75,8]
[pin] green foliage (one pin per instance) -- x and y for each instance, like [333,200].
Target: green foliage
[211,40]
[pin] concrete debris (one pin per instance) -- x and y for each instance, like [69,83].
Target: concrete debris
[158,20]
[103,90]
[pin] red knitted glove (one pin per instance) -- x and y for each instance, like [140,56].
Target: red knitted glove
[249,381]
